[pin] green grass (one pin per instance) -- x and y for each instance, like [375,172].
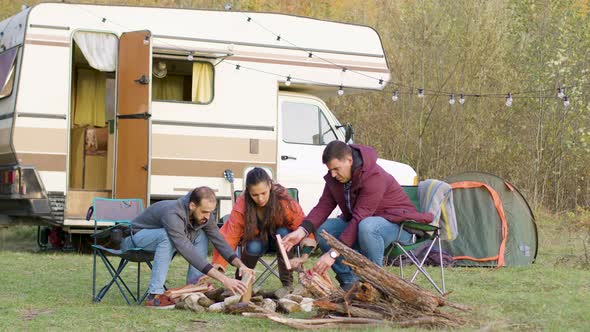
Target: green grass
[52,291]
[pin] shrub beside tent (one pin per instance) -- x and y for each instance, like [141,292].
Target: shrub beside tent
[495,222]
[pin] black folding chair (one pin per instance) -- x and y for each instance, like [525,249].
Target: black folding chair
[118,213]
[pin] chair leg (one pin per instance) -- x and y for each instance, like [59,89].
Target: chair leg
[420,269]
[423,260]
[442,266]
[116,279]
[270,270]
[93,273]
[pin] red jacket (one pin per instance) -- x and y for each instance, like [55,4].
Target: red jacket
[374,192]
[233,229]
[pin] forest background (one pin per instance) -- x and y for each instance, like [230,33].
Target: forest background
[528,48]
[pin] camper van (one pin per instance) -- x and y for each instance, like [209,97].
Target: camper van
[143,102]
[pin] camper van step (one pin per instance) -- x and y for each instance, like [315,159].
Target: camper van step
[57,202]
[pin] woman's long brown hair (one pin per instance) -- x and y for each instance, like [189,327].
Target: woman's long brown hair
[273,214]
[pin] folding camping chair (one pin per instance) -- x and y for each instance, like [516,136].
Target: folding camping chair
[118,213]
[422,234]
[269,268]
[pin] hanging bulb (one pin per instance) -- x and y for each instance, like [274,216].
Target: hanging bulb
[238,67]
[227,6]
[452,99]
[462,99]
[190,57]
[288,81]
[146,40]
[560,93]
[380,81]
[421,93]
[278,38]
[566,101]
[395,96]
[341,91]
[309,56]
[509,100]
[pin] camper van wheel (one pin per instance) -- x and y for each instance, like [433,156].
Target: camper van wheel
[43,237]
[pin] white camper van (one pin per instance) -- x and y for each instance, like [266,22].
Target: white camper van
[119,101]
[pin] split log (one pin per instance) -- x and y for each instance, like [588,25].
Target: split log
[283,252]
[389,284]
[318,285]
[248,279]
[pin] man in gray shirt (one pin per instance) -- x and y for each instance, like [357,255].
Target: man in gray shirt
[182,226]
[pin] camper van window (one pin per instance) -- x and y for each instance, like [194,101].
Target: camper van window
[176,80]
[305,124]
[7,71]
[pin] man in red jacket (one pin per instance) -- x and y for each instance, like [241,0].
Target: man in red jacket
[372,204]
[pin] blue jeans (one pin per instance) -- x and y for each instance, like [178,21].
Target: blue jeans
[374,235]
[258,247]
[157,240]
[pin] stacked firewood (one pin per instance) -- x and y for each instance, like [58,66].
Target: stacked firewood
[381,295]
[203,297]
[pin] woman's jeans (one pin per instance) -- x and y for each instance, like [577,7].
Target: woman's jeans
[255,248]
[157,240]
[374,235]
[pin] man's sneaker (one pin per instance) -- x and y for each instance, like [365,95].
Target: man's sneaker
[159,301]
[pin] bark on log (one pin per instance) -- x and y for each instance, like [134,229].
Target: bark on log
[389,284]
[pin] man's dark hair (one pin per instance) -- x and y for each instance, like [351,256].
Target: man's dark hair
[336,150]
[200,193]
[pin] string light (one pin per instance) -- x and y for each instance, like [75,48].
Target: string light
[395,96]
[146,40]
[452,99]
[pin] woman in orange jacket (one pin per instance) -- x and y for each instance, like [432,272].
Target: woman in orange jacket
[262,211]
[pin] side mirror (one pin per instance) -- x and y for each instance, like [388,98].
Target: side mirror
[348,133]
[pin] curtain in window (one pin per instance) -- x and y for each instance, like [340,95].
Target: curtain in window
[90,98]
[77,157]
[99,49]
[168,88]
[202,88]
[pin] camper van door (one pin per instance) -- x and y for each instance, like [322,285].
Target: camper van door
[304,131]
[132,163]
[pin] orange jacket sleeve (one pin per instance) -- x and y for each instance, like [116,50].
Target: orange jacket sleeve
[232,230]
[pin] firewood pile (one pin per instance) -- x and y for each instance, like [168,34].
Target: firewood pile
[384,296]
[379,298]
[203,297]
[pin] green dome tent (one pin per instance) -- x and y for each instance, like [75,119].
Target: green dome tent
[495,222]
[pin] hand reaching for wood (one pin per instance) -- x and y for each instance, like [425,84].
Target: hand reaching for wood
[323,264]
[234,285]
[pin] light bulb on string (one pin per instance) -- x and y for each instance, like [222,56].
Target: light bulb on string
[421,93]
[341,91]
[509,100]
[566,102]
[560,93]
[190,57]
[288,81]
[146,40]
[309,56]
[452,99]
[462,99]
[395,96]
